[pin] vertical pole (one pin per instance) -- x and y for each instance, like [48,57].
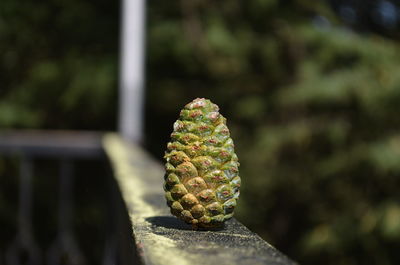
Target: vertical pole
[24,249]
[65,250]
[65,199]
[131,94]
[25,198]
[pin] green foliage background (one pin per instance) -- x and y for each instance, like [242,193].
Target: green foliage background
[58,63]
[313,109]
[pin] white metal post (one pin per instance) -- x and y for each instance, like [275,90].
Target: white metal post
[131,92]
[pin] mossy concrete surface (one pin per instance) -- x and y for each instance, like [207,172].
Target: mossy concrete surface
[161,238]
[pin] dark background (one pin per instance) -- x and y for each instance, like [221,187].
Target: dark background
[311,90]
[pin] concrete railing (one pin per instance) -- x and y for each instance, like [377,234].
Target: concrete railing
[161,238]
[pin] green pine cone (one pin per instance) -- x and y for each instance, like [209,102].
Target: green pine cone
[201,181]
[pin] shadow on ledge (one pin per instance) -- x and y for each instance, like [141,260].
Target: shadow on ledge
[168,222]
[171,222]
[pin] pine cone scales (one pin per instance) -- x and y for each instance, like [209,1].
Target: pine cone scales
[201,180]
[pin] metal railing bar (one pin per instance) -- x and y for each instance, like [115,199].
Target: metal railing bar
[65,250]
[36,143]
[65,196]
[25,197]
[110,253]
[24,245]
[110,246]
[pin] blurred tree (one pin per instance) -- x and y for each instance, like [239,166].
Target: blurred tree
[380,16]
[58,64]
[312,106]
[58,68]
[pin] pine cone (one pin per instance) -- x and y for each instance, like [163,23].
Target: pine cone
[201,181]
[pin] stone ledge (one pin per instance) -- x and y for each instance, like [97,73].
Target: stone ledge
[161,238]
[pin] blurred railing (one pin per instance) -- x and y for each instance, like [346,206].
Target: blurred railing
[64,148]
[140,229]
